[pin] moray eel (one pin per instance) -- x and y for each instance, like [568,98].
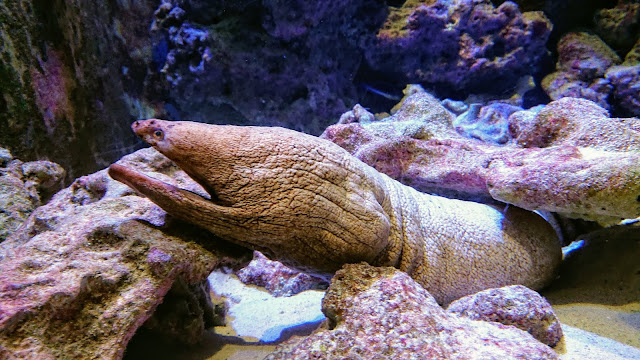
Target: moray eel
[307,202]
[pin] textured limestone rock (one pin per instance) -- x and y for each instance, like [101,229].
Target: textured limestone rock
[587,168]
[276,278]
[633,56]
[23,187]
[512,305]
[478,46]
[286,63]
[87,269]
[70,80]
[487,123]
[626,81]
[583,59]
[305,201]
[577,122]
[377,313]
[619,25]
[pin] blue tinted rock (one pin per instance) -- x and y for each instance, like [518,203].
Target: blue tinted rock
[487,123]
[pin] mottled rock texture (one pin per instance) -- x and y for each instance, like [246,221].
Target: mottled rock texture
[619,26]
[287,63]
[583,59]
[566,15]
[486,123]
[305,201]
[73,78]
[479,47]
[277,279]
[73,73]
[90,267]
[68,73]
[569,157]
[512,305]
[626,81]
[381,313]
[23,187]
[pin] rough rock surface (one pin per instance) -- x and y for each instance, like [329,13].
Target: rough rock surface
[626,81]
[576,122]
[312,205]
[487,123]
[23,187]
[583,59]
[87,269]
[514,305]
[277,279]
[377,313]
[619,25]
[261,63]
[583,149]
[478,45]
[71,77]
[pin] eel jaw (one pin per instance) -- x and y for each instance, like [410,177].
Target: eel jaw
[135,180]
[227,223]
[167,196]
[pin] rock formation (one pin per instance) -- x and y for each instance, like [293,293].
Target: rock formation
[407,324]
[87,269]
[568,157]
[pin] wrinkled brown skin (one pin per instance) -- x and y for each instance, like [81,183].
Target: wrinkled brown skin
[310,204]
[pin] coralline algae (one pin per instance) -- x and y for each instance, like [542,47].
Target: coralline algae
[568,157]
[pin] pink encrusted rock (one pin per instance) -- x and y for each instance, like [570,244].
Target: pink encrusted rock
[583,59]
[514,305]
[577,122]
[569,157]
[86,270]
[381,313]
[277,278]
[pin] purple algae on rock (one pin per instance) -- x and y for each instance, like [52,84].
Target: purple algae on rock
[514,305]
[461,45]
[381,313]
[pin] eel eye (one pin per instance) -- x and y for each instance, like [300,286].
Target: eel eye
[158,134]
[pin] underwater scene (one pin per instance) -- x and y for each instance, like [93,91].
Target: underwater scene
[319,179]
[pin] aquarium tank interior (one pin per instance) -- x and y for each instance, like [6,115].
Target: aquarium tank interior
[366,179]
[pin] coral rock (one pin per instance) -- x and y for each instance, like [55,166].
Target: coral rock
[577,122]
[512,305]
[619,26]
[87,269]
[477,43]
[377,313]
[277,278]
[587,166]
[583,59]
[626,82]
[23,187]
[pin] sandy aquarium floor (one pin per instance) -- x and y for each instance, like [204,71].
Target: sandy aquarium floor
[596,296]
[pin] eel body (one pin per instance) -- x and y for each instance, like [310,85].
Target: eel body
[307,202]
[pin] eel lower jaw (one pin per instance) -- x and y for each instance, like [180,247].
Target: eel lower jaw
[146,185]
[127,176]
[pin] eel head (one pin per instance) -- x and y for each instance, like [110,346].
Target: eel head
[297,198]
